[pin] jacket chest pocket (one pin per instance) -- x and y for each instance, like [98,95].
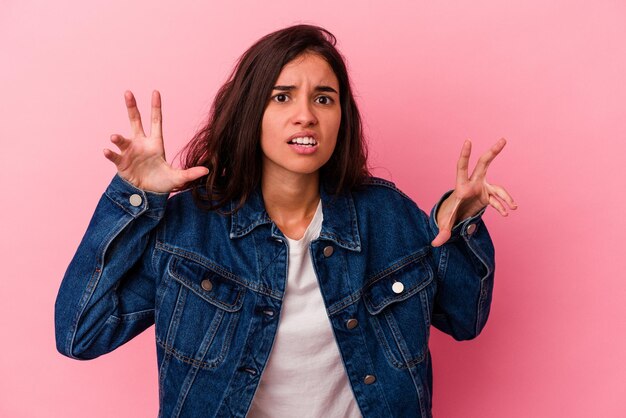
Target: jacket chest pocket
[399,305]
[198,313]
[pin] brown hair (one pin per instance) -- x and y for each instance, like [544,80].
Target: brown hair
[229,142]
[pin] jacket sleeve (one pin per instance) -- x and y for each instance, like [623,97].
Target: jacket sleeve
[107,295]
[465,272]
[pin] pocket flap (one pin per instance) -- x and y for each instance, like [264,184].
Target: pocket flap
[215,288]
[414,274]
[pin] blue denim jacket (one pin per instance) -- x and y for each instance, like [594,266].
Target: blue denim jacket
[213,284]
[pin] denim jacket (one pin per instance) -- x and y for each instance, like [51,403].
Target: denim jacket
[213,285]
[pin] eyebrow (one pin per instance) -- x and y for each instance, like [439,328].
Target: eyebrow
[317,88]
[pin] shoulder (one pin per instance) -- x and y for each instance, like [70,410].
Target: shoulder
[382,200]
[187,206]
[387,217]
[381,191]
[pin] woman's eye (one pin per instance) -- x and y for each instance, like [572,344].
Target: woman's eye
[281,98]
[325,100]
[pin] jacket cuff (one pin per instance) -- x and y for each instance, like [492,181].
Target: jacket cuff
[465,228]
[134,200]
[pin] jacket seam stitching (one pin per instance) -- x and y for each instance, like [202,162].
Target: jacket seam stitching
[93,282]
[216,269]
[482,295]
[185,359]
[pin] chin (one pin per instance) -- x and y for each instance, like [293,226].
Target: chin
[307,171]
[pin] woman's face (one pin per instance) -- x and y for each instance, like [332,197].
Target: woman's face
[301,122]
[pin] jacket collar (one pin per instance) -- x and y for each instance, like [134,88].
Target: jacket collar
[339,224]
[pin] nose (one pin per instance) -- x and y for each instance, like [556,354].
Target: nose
[304,114]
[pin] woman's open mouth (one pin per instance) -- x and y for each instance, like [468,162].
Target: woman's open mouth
[303,145]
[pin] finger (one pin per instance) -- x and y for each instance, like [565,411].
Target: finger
[133,114]
[194,173]
[445,226]
[497,205]
[442,237]
[121,142]
[503,195]
[157,119]
[483,162]
[112,156]
[462,164]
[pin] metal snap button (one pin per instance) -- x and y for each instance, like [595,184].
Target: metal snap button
[135,199]
[369,379]
[471,228]
[352,323]
[397,287]
[206,284]
[328,251]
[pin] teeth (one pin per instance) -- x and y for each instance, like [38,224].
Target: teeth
[305,140]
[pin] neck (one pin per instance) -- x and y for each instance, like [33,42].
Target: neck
[291,200]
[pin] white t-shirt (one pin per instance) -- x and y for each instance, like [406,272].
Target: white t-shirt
[304,376]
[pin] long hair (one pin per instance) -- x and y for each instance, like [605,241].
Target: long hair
[229,142]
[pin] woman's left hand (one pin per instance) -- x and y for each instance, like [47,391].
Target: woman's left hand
[471,193]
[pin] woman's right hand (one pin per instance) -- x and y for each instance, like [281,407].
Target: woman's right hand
[141,160]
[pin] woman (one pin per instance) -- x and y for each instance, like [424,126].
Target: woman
[279,243]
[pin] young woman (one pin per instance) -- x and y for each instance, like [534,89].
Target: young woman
[283,280]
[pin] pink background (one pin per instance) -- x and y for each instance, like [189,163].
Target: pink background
[548,76]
